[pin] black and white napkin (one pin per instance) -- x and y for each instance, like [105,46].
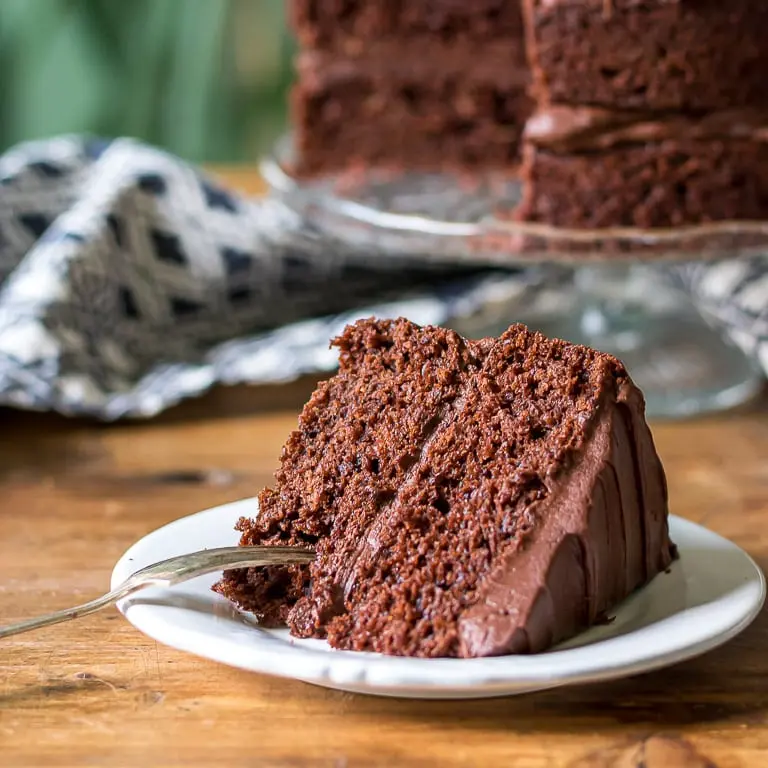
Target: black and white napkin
[130,281]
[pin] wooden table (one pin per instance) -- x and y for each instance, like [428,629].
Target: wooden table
[75,495]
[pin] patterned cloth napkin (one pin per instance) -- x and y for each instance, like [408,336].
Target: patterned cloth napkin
[130,281]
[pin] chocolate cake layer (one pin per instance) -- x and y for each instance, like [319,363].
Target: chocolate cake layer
[465,498]
[357,438]
[651,54]
[350,24]
[426,110]
[593,168]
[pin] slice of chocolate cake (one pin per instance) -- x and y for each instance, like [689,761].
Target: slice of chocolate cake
[465,498]
[427,85]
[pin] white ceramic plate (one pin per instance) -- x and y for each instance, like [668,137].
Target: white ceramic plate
[708,596]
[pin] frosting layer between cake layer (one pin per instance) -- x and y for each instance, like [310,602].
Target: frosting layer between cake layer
[561,128]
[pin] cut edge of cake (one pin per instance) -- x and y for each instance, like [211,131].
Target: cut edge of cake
[396,87]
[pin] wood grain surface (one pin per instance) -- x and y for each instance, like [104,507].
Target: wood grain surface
[95,692]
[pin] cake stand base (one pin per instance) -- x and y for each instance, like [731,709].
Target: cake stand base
[683,366]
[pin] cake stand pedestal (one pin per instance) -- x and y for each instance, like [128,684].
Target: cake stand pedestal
[613,290]
[683,365]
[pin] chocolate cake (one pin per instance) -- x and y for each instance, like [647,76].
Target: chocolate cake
[655,55]
[642,114]
[590,167]
[465,498]
[649,114]
[424,84]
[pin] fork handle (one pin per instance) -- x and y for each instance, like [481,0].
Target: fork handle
[169,572]
[57,617]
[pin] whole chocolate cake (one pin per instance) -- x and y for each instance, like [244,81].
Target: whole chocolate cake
[642,114]
[465,498]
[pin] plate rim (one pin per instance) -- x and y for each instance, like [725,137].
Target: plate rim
[341,669]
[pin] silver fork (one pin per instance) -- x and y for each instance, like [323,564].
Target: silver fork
[169,572]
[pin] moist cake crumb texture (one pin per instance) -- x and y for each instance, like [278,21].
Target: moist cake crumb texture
[431,468]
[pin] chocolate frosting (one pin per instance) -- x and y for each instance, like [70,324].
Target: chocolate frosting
[604,533]
[573,129]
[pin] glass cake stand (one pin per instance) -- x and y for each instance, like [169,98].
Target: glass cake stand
[617,290]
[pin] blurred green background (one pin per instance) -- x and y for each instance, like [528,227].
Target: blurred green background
[205,79]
